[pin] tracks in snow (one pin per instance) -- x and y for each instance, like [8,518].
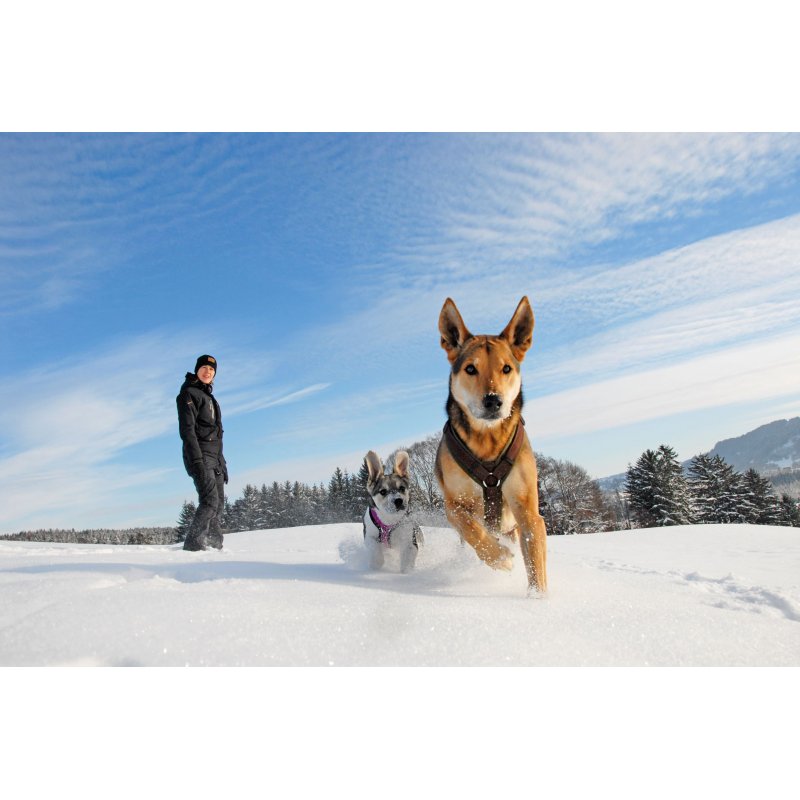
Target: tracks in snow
[726,592]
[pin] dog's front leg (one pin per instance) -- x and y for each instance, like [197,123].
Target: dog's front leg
[532,541]
[408,558]
[375,550]
[489,550]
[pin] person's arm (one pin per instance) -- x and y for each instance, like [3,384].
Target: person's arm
[187,419]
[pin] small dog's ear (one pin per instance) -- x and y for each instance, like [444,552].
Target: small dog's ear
[401,463]
[453,330]
[519,332]
[374,467]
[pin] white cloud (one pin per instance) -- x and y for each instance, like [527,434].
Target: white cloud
[241,405]
[735,375]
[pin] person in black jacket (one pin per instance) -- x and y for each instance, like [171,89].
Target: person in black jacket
[200,425]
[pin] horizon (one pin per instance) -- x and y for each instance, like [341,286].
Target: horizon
[661,269]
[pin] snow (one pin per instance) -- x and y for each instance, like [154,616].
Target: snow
[684,596]
[705,595]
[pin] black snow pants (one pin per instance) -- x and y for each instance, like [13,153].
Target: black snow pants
[206,531]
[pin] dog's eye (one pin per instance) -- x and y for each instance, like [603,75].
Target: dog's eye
[470,370]
[506,369]
[384,492]
[402,490]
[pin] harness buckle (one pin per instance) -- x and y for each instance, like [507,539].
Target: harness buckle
[491,480]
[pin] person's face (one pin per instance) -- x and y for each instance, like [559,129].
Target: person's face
[206,374]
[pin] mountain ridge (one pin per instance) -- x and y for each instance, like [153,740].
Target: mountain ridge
[772,449]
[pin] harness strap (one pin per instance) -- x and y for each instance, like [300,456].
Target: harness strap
[384,531]
[489,475]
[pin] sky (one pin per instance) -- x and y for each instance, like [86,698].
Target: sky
[662,270]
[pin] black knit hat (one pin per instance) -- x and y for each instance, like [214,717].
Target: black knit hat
[205,361]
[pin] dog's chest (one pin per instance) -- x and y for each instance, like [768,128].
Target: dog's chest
[399,534]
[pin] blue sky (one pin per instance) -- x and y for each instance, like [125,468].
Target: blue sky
[662,270]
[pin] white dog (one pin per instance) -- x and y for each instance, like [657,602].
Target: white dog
[386,521]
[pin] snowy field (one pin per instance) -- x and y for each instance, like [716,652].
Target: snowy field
[706,595]
[687,596]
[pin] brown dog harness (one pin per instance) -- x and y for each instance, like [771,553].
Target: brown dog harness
[488,475]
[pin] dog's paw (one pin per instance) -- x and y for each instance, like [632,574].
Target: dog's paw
[500,557]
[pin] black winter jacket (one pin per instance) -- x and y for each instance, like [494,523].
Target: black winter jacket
[200,426]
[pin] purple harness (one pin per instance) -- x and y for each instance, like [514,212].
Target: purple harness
[385,531]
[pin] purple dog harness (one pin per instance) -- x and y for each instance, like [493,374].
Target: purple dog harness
[385,531]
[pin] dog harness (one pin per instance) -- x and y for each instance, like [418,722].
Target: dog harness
[489,475]
[384,531]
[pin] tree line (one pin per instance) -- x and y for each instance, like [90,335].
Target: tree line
[658,492]
[98,536]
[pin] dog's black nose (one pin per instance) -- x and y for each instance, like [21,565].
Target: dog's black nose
[398,503]
[492,402]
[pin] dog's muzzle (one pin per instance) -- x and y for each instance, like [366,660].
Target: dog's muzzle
[492,404]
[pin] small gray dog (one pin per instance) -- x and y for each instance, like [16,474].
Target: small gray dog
[387,524]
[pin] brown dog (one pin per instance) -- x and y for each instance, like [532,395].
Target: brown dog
[485,463]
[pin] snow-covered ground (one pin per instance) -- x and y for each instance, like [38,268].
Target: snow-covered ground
[686,596]
[681,596]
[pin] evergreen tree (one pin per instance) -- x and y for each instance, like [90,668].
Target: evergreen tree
[640,486]
[657,491]
[760,504]
[705,489]
[249,516]
[185,519]
[337,494]
[789,511]
[732,505]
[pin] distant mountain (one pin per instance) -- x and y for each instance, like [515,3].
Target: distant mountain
[768,449]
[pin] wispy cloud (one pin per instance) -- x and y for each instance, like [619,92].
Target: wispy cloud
[734,375]
[537,202]
[241,405]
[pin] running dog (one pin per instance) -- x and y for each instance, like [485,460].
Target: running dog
[485,463]
[386,521]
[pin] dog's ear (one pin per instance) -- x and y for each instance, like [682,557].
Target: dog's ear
[519,332]
[374,467]
[453,330]
[401,463]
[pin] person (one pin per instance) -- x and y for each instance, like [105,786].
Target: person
[200,426]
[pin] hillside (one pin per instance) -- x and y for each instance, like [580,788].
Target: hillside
[699,596]
[769,448]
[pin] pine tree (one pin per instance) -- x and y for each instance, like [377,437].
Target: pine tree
[185,519]
[657,490]
[718,492]
[337,494]
[704,489]
[732,505]
[789,511]
[249,516]
[640,486]
[761,507]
